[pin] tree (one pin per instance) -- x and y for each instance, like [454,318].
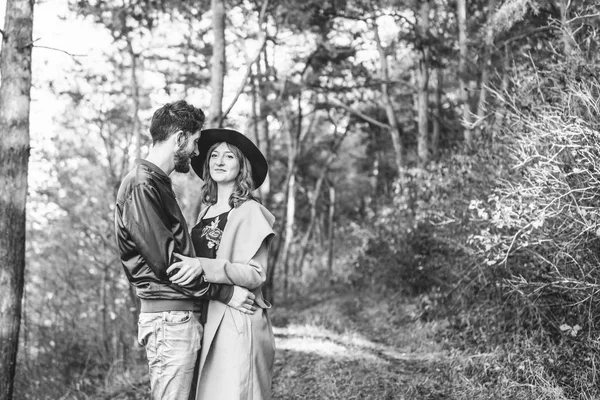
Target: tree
[15,87]
[215,111]
[423,86]
[463,88]
[485,69]
[395,128]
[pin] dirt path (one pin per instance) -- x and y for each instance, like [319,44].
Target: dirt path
[327,351]
[340,347]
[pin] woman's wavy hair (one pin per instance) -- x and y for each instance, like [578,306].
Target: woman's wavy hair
[242,187]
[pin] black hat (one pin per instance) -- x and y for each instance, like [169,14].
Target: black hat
[208,137]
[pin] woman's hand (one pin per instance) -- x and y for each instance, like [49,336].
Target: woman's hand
[242,300]
[185,271]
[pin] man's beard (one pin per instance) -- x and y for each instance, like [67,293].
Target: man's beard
[182,161]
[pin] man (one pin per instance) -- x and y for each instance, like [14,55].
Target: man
[150,227]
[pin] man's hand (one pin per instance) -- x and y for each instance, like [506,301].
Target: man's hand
[242,300]
[185,271]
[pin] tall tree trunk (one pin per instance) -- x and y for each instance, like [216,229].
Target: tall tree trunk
[485,70]
[297,132]
[331,225]
[395,129]
[463,88]
[217,78]
[256,58]
[135,91]
[293,145]
[262,125]
[437,124]
[105,322]
[264,144]
[501,110]
[15,88]
[289,227]
[314,197]
[423,90]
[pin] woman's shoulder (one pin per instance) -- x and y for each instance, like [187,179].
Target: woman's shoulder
[255,209]
[250,204]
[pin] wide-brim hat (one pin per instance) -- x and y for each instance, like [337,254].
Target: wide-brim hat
[208,137]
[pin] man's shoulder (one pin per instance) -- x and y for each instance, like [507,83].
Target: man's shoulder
[138,176]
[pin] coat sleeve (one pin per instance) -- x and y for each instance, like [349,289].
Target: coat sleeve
[250,276]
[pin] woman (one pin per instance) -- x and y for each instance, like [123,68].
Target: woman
[231,239]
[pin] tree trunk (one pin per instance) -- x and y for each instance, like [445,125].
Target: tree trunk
[289,225]
[15,87]
[395,129]
[501,109]
[463,93]
[135,91]
[437,124]
[105,316]
[262,125]
[314,197]
[485,70]
[217,77]
[423,89]
[331,225]
[256,58]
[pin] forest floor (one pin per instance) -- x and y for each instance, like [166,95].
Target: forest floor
[341,346]
[346,347]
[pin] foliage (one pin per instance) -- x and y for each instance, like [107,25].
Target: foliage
[495,246]
[543,226]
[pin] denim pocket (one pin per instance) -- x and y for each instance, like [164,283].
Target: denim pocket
[178,317]
[149,318]
[147,327]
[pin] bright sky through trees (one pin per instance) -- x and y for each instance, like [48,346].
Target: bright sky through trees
[59,40]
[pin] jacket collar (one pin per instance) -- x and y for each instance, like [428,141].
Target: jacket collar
[154,168]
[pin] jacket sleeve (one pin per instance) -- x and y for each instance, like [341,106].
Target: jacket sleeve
[250,276]
[146,221]
[222,293]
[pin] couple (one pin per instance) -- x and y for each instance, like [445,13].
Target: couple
[203,319]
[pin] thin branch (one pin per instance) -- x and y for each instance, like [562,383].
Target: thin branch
[251,63]
[245,79]
[359,114]
[62,51]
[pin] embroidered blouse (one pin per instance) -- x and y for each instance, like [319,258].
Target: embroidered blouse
[206,235]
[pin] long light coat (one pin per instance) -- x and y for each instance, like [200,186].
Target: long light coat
[238,350]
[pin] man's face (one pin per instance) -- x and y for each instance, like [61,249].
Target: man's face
[188,148]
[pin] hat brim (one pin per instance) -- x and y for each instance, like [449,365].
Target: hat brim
[208,137]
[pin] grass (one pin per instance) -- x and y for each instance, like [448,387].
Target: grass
[345,345]
[359,346]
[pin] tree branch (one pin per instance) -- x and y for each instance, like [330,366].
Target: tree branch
[251,63]
[62,51]
[351,110]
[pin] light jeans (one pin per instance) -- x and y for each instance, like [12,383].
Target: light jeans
[172,340]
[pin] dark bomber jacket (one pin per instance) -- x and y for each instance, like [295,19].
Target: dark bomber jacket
[150,227]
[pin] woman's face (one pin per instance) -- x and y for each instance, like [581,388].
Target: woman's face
[223,164]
